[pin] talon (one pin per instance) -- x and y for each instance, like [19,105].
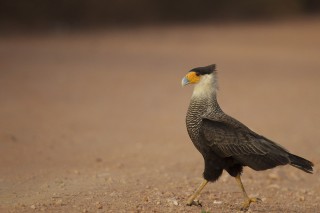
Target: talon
[195,203]
[255,200]
[191,201]
[244,208]
[247,203]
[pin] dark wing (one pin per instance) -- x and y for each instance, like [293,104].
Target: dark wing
[233,139]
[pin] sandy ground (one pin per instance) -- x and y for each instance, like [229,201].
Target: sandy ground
[94,122]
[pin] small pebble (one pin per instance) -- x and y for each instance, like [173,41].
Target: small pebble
[273,176]
[172,201]
[98,205]
[217,202]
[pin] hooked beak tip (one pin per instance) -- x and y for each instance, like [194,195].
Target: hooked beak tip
[184,82]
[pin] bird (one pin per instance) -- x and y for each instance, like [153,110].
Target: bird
[224,142]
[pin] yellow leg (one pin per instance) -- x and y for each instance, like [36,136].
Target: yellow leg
[248,200]
[191,200]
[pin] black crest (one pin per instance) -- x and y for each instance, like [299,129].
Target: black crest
[204,70]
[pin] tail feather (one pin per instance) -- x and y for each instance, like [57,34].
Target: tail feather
[301,163]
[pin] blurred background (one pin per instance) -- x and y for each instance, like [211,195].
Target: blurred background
[92,113]
[83,13]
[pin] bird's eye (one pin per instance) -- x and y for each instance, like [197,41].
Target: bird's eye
[197,74]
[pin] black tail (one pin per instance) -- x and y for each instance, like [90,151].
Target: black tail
[301,163]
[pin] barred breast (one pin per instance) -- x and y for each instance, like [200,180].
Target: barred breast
[194,118]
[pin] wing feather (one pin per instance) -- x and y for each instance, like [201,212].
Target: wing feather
[242,144]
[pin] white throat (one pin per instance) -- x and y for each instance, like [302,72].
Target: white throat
[206,87]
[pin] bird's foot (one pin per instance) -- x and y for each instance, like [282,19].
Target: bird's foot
[194,203]
[246,204]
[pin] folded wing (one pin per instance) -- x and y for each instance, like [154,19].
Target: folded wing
[231,139]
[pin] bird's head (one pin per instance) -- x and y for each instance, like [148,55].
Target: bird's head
[204,78]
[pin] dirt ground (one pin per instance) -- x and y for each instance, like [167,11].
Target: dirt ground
[95,121]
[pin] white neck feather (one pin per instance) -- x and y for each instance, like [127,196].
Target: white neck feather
[206,87]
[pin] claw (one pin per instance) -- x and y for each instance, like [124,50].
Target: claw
[195,203]
[257,200]
[191,201]
[246,204]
